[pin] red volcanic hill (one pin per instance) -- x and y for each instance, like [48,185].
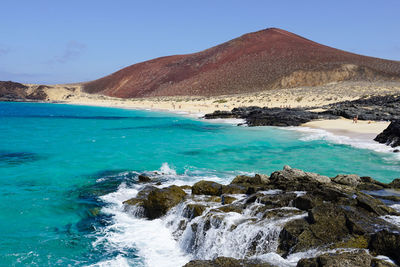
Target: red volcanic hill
[267,59]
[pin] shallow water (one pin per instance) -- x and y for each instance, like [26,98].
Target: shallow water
[64,171]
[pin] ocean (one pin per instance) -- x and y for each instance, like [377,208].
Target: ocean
[65,170]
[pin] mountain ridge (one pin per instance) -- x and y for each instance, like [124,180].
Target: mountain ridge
[268,59]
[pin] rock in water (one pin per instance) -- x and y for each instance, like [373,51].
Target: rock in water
[156,202]
[207,188]
[144,178]
[391,135]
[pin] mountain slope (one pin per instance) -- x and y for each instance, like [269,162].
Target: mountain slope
[267,59]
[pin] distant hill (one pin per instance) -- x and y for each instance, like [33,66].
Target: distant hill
[267,59]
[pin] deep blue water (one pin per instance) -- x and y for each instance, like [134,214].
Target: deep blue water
[55,160]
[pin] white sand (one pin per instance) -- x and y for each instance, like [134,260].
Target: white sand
[360,130]
[293,97]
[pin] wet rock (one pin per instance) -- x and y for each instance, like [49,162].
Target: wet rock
[391,135]
[156,202]
[346,259]
[386,243]
[290,236]
[276,200]
[347,179]
[144,178]
[207,188]
[193,210]
[226,262]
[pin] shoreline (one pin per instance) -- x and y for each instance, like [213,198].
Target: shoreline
[366,130]
[363,130]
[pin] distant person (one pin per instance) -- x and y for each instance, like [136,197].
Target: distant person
[355,119]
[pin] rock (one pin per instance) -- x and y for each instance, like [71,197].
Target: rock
[369,184]
[395,183]
[264,179]
[156,202]
[346,259]
[374,205]
[207,188]
[305,202]
[272,201]
[391,135]
[347,179]
[256,116]
[144,178]
[297,180]
[256,180]
[234,189]
[226,262]
[193,210]
[386,243]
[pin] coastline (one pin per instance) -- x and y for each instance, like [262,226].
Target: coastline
[365,130]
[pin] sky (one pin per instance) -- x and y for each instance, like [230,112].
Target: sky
[60,41]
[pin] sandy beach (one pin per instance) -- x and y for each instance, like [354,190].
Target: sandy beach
[302,97]
[360,130]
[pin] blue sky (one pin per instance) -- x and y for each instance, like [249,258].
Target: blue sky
[72,41]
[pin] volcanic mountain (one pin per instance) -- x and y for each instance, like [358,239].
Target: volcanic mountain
[267,59]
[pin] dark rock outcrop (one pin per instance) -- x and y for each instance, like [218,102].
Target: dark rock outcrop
[391,135]
[375,108]
[256,116]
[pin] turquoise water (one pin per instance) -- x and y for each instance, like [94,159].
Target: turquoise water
[55,160]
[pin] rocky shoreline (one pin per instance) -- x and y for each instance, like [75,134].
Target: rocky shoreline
[291,213]
[376,108]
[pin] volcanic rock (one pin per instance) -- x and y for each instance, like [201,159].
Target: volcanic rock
[391,135]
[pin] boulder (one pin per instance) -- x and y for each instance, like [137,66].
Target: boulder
[144,178]
[156,202]
[258,179]
[297,180]
[347,179]
[207,188]
[391,135]
[386,243]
